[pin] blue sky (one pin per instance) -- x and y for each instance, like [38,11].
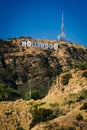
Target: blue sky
[42,18]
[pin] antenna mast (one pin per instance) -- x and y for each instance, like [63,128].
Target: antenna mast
[61,37]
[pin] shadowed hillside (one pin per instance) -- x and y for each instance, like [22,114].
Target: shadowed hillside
[57,80]
[22,66]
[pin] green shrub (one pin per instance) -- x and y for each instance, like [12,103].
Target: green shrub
[53,105]
[39,115]
[71,128]
[56,111]
[69,102]
[81,65]
[7,93]
[3,92]
[79,117]
[62,128]
[76,97]
[19,128]
[8,113]
[79,97]
[34,95]
[82,95]
[84,74]
[84,106]
[65,79]
[13,93]
[35,106]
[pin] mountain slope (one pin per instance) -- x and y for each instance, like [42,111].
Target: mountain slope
[69,103]
[21,66]
[69,106]
[58,80]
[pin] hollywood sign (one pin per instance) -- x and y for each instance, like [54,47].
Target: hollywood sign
[40,45]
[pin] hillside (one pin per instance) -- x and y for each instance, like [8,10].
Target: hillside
[21,66]
[58,81]
[69,100]
[65,108]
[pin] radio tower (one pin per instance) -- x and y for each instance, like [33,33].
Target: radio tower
[62,37]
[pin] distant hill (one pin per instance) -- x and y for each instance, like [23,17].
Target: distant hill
[57,80]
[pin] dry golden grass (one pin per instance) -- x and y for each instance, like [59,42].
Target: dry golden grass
[15,114]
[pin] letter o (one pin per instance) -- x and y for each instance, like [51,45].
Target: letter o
[55,46]
[50,46]
[28,43]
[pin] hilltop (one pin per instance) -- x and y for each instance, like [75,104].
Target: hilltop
[58,80]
